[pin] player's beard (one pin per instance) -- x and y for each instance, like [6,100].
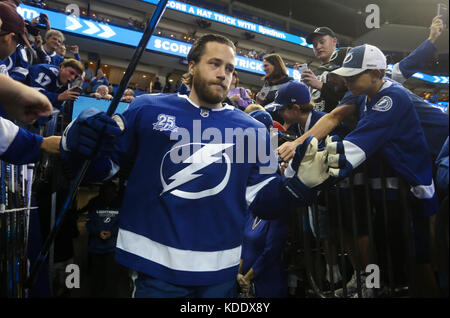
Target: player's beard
[207,92]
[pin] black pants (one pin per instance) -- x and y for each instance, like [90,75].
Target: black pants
[108,278]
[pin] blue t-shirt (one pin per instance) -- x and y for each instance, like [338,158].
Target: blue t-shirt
[102,217]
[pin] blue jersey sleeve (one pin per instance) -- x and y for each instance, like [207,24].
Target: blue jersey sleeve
[264,192]
[350,99]
[442,168]
[17,145]
[19,69]
[103,168]
[375,128]
[414,62]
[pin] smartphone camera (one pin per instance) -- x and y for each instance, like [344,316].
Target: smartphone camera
[303,67]
[76,89]
[442,11]
[42,19]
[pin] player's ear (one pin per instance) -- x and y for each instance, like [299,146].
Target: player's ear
[191,67]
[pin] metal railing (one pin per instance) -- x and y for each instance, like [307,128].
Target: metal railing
[387,244]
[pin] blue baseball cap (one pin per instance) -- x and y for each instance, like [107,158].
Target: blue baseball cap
[360,59]
[291,93]
[263,117]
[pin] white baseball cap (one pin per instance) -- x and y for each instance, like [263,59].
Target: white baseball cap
[361,58]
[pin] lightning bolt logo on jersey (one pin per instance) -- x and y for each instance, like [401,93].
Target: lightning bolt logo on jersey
[205,158]
[188,192]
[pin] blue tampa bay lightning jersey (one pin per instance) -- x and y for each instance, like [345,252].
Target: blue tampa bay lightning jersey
[17,145]
[192,183]
[53,58]
[390,123]
[44,78]
[17,64]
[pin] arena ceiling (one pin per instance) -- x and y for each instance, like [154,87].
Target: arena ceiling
[347,17]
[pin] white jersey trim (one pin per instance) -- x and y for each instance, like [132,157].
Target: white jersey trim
[397,74]
[423,191]
[8,131]
[225,106]
[354,154]
[177,259]
[252,191]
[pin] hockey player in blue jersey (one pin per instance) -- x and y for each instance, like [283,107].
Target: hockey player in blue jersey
[53,81]
[188,193]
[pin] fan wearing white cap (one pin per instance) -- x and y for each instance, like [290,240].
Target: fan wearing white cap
[363,70]
[389,124]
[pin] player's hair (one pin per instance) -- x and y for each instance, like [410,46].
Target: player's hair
[280,69]
[74,64]
[252,107]
[198,49]
[53,32]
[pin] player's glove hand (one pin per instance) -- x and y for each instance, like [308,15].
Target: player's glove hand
[307,171]
[338,166]
[93,132]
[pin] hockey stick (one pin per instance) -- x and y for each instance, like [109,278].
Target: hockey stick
[154,20]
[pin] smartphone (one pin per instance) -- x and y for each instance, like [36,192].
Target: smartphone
[442,11]
[303,67]
[76,89]
[42,19]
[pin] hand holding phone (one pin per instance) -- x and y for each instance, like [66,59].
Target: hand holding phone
[303,67]
[442,11]
[43,19]
[76,89]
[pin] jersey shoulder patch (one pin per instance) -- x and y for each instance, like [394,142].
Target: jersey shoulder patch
[384,104]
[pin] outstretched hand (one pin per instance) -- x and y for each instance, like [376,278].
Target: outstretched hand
[436,28]
[306,171]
